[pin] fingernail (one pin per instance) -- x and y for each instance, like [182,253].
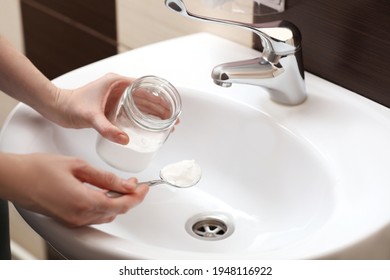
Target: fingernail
[129,184]
[121,138]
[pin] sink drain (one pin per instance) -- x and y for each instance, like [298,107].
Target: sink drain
[210,226]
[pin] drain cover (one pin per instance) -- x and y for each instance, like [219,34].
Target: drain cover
[209,226]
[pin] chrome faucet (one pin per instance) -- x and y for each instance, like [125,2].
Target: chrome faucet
[279,69]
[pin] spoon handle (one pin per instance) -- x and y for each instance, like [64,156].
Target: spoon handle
[151,183]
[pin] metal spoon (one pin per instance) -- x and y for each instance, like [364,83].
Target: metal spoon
[151,183]
[163,180]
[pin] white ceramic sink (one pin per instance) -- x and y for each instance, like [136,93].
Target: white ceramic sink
[309,181]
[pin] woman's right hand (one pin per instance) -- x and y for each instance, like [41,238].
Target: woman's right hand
[58,186]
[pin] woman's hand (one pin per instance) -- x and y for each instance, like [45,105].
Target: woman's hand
[60,187]
[88,106]
[79,108]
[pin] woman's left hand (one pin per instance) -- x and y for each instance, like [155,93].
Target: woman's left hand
[89,105]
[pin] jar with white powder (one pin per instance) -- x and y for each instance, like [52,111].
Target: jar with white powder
[147,112]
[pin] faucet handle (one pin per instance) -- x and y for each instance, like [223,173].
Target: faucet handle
[280,38]
[284,37]
[281,31]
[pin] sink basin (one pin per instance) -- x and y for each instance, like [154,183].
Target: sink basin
[308,181]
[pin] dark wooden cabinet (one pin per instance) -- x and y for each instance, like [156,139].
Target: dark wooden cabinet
[63,35]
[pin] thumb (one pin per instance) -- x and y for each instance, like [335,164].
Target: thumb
[109,131]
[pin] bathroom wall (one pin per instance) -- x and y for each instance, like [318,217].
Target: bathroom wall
[144,22]
[346,42]
[63,35]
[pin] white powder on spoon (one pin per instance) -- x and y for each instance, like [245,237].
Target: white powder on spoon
[183,174]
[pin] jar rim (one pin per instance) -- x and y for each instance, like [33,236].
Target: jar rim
[170,94]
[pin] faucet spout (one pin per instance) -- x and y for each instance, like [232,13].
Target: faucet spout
[252,69]
[283,80]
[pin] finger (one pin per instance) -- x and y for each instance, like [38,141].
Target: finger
[140,186]
[104,179]
[129,186]
[105,209]
[123,203]
[114,94]
[109,131]
[109,207]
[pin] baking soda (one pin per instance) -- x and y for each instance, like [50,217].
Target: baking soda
[133,157]
[185,173]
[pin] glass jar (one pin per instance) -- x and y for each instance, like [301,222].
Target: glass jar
[147,112]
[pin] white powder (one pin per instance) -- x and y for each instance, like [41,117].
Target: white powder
[122,157]
[143,144]
[133,157]
[184,173]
